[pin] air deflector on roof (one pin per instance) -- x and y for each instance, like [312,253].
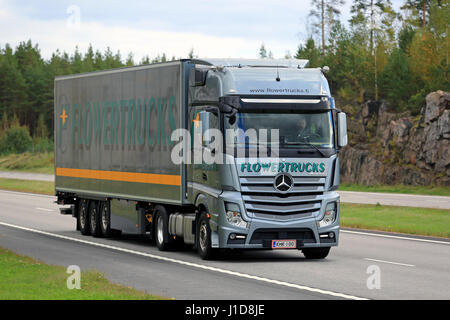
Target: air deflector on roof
[272,63]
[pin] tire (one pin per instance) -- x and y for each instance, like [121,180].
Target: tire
[162,237]
[203,238]
[83,218]
[105,219]
[316,253]
[94,219]
[77,216]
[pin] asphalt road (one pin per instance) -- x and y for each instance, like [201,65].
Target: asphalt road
[396,199]
[410,267]
[27,176]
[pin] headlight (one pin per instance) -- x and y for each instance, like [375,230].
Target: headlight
[233,215]
[329,216]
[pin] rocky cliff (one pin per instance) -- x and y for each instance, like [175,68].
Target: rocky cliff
[391,148]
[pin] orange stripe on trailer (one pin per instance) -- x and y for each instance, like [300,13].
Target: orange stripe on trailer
[153,178]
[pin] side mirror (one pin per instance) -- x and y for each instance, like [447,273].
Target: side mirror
[342,129]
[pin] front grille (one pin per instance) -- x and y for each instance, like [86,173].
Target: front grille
[262,200]
[261,235]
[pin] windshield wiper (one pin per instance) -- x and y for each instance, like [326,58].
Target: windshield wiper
[306,144]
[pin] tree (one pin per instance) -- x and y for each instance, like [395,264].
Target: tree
[130,60]
[262,51]
[38,83]
[310,52]
[145,60]
[88,60]
[13,88]
[422,7]
[429,49]
[326,13]
[378,15]
[41,129]
[191,54]
[349,59]
[16,140]
[405,37]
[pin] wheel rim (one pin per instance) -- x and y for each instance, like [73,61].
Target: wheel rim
[105,221]
[159,231]
[93,219]
[203,236]
[83,216]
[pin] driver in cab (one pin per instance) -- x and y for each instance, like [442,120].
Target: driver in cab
[306,130]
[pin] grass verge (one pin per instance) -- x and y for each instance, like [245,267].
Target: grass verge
[44,187]
[29,162]
[24,278]
[425,190]
[419,221]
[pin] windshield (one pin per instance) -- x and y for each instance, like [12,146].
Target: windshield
[296,130]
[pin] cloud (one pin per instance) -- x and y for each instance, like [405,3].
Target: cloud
[219,28]
[65,34]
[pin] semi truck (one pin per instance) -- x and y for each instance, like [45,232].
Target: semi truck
[145,150]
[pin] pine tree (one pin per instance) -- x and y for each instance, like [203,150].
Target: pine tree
[326,13]
[191,54]
[88,60]
[130,60]
[262,52]
[13,88]
[372,13]
[310,52]
[41,128]
[422,7]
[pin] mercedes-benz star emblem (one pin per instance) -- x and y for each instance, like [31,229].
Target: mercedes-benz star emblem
[283,182]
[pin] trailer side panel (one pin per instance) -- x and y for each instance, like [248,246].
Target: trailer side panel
[113,132]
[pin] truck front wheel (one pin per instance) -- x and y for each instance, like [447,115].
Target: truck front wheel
[163,240]
[316,253]
[105,219]
[204,238]
[83,218]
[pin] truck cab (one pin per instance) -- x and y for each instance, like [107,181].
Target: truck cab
[274,179]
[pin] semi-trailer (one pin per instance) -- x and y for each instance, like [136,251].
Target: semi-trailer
[214,153]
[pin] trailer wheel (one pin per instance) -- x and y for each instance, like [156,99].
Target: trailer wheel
[316,253]
[203,237]
[83,218]
[94,219]
[105,219]
[162,236]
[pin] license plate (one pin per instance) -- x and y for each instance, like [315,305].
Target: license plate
[284,244]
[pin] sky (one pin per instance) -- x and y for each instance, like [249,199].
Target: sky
[213,29]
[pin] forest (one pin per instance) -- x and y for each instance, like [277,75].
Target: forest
[378,54]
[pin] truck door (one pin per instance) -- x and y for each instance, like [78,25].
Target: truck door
[203,147]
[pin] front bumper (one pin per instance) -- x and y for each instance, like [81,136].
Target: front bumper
[261,231]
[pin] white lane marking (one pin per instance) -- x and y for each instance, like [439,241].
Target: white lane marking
[44,209]
[390,262]
[190,264]
[394,237]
